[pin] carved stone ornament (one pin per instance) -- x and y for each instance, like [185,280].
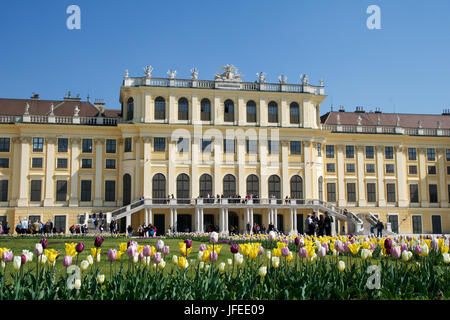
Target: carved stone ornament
[172,73]
[230,74]
[378,120]
[52,109]
[148,71]
[126,73]
[76,112]
[305,79]
[359,120]
[282,79]
[338,119]
[261,77]
[194,74]
[398,121]
[27,109]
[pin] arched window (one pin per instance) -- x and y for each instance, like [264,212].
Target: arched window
[205,185]
[320,188]
[130,109]
[251,111]
[159,188]
[228,115]
[229,186]
[274,187]
[205,110]
[183,109]
[297,187]
[252,185]
[160,108]
[294,112]
[273,112]
[183,188]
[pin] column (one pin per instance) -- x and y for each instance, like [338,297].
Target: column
[195,110]
[171,218]
[49,172]
[340,176]
[171,109]
[218,112]
[175,219]
[226,220]
[171,178]
[241,116]
[284,112]
[247,218]
[147,192]
[196,220]
[295,220]
[262,145]
[401,177]
[217,163]
[146,216]
[284,169]
[98,202]
[241,167]
[148,107]
[307,166]
[361,186]
[263,113]
[251,220]
[423,178]
[269,216]
[275,215]
[195,190]
[202,223]
[15,183]
[24,165]
[292,220]
[221,222]
[120,149]
[74,170]
[380,174]
[150,216]
[128,221]
[442,185]
[137,172]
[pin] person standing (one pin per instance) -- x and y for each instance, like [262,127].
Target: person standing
[321,225]
[380,228]
[328,221]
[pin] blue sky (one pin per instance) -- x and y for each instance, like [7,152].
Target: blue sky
[404,67]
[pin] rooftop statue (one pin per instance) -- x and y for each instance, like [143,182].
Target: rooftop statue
[359,120]
[76,111]
[194,74]
[230,74]
[52,109]
[148,71]
[172,73]
[27,109]
[305,79]
[283,79]
[261,77]
[126,73]
[398,121]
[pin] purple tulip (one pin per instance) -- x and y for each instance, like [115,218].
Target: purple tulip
[418,249]
[131,251]
[131,243]
[166,250]
[159,245]
[157,257]
[434,244]
[67,261]
[141,256]
[202,247]
[297,241]
[404,247]
[286,241]
[339,247]
[372,246]
[213,256]
[44,243]
[7,256]
[302,253]
[261,251]
[396,252]
[98,242]
[188,243]
[112,255]
[234,248]
[80,247]
[325,245]
[147,251]
[23,258]
[321,252]
[388,243]
[285,251]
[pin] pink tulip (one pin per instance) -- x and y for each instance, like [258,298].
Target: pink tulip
[404,247]
[285,241]
[112,255]
[202,247]
[418,249]
[302,253]
[396,252]
[157,257]
[261,251]
[7,256]
[321,252]
[372,246]
[67,261]
[285,251]
[132,250]
[434,244]
[325,245]
[159,245]
[213,256]
[141,256]
[166,250]
[147,251]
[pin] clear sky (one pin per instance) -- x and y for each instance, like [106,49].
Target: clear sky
[404,67]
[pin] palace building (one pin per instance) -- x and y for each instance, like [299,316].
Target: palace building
[195,139]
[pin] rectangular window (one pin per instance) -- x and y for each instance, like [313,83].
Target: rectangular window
[35,194]
[228,146]
[183,145]
[159,144]
[329,152]
[331,167]
[331,192]
[412,154]
[447,154]
[4,162]
[350,167]
[370,152]
[4,144]
[86,163]
[60,224]
[414,193]
[448,191]
[390,168]
[110,146]
[412,170]
[371,192]
[63,144]
[389,153]
[36,162]
[351,192]
[61,163]
[38,144]
[417,224]
[206,145]
[296,147]
[432,188]
[448,170]
[431,154]
[128,144]
[251,113]
[110,190]
[86,190]
[252,146]
[370,168]
[319,149]
[390,189]
[61,190]
[349,152]
[431,169]
[3,190]
[110,163]
[274,147]
[87,146]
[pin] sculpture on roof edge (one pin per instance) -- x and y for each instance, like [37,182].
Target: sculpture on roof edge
[27,109]
[378,120]
[52,109]
[172,73]
[305,79]
[398,121]
[321,82]
[76,111]
[261,77]
[420,124]
[230,74]
[282,79]
[148,71]
[194,74]
[359,120]
[338,119]
[439,124]
[126,73]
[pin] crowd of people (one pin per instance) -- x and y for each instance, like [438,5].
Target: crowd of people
[143,230]
[4,229]
[27,227]
[315,226]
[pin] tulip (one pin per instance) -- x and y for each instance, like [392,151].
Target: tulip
[213,256]
[161,265]
[44,243]
[38,249]
[214,237]
[43,259]
[175,259]
[131,243]
[418,249]
[2,265]
[166,250]
[182,263]
[335,253]
[201,265]
[131,251]
[90,259]
[159,245]
[229,262]
[17,263]
[157,257]
[396,252]
[262,271]
[147,251]
[272,236]
[222,267]
[207,267]
[261,251]
[388,245]
[77,284]
[302,253]
[80,247]
[406,255]
[269,255]
[297,241]
[321,252]
[101,278]
[365,253]
[7,256]
[67,261]
[425,250]
[325,245]
[404,247]
[275,262]
[341,266]
[446,258]
[112,255]
[98,242]
[285,251]
[84,265]
[188,243]
[234,248]
[202,247]
[239,259]
[23,259]
[434,244]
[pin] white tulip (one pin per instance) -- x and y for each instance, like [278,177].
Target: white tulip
[101,278]
[2,265]
[201,265]
[161,265]
[135,258]
[43,259]
[174,259]
[207,267]
[262,271]
[17,262]
[446,257]
[229,262]
[200,256]
[90,259]
[38,249]
[222,267]
[77,284]
[84,265]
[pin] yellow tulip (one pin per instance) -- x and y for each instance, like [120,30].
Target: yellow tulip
[253,253]
[140,248]
[290,257]
[206,254]
[95,252]
[366,245]
[182,263]
[51,254]
[123,247]
[354,248]
[119,254]
[277,252]
[311,251]
[70,249]
[444,249]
